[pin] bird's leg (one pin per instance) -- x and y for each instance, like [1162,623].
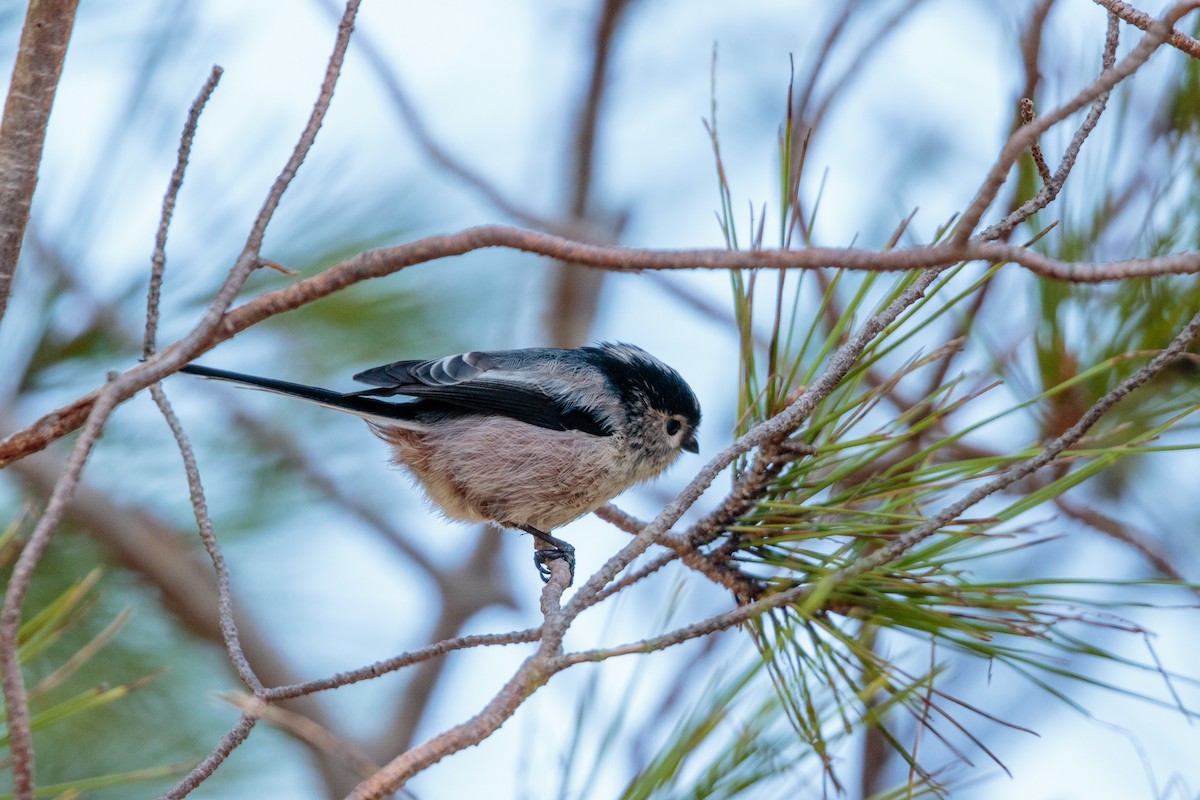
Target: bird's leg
[550,548]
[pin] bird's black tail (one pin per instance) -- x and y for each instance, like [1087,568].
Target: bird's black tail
[366,407]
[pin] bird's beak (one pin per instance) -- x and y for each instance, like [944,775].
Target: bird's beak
[689,443]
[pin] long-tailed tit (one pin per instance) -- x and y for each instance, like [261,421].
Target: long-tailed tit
[528,439]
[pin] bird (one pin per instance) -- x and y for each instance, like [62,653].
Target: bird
[527,439]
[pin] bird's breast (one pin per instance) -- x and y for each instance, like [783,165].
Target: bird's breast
[504,471]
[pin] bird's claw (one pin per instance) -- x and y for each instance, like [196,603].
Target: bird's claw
[564,552]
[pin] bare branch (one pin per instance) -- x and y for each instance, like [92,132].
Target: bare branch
[69,418]
[1039,159]
[40,55]
[1140,19]
[16,703]
[229,631]
[378,263]
[208,766]
[529,677]
[159,259]
[401,661]
[1054,184]
[1024,138]
[249,258]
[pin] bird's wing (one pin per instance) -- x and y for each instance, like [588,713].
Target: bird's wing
[448,371]
[484,383]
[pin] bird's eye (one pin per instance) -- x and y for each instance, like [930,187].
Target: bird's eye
[673,426]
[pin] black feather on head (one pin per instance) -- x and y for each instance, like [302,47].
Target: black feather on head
[636,375]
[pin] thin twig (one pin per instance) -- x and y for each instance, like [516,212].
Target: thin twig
[250,257]
[1039,158]
[717,570]
[1031,54]
[159,260]
[399,662]
[229,742]
[1140,19]
[1023,138]
[16,703]
[615,516]
[1054,184]
[229,631]
[637,575]
[533,673]
[248,260]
